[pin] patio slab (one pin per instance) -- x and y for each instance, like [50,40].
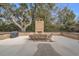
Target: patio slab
[61,46]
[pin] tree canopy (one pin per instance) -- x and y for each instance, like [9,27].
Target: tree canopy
[22,17]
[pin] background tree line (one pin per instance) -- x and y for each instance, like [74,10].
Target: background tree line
[22,18]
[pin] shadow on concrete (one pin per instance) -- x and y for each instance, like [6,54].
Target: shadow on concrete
[45,49]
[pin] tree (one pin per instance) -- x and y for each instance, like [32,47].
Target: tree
[66,18]
[19,16]
[44,11]
[23,16]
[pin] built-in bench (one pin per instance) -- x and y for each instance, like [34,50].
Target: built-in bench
[40,37]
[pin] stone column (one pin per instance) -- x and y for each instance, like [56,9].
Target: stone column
[39,26]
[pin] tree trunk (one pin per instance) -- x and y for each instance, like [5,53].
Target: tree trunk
[23,30]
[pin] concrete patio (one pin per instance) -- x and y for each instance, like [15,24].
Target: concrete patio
[21,46]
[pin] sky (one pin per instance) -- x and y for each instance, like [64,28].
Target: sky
[73,6]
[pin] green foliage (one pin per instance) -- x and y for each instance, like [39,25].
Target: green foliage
[8,27]
[50,28]
[31,28]
[65,18]
[12,27]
